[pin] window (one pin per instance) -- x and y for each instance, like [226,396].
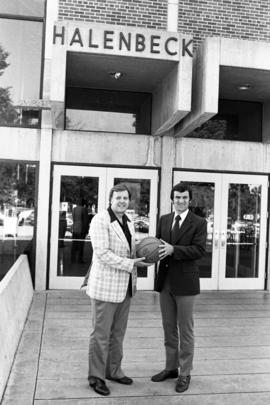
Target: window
[21,25]
[236,120]
[108,110]
[17,212]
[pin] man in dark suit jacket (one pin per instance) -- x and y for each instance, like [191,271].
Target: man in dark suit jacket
[184,236]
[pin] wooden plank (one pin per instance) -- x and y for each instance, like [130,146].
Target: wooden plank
[221,384]
[49,369]
[145,324]
[184,399]
[152,355]
[241,317]
[231,364]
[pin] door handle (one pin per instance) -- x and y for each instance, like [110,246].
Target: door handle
[223,239]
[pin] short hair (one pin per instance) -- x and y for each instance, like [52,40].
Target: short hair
[117,188]
[181,188]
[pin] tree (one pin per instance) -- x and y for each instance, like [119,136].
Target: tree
[17,184]
[3,60]
[8,113]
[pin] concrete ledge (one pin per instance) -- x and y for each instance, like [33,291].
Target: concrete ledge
[16,293]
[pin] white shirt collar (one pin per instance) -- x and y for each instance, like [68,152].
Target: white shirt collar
[182,215]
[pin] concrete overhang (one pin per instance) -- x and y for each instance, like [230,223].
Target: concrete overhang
[94,71]
[163,68]
[226,69]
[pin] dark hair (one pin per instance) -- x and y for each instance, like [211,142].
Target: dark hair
[181,187]
[117,188]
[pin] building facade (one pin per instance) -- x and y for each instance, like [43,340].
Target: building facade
[148,93]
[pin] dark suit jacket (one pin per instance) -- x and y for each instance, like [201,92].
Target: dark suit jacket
[181,268]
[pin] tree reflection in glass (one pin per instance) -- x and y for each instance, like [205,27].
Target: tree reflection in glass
[243,230]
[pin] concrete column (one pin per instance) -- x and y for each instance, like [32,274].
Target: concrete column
[52,17]
[205,86]
[172,16]
[45,156]
[168,143]
[58,79]
[55,66]
[43,206]
[167,164]
[171,100]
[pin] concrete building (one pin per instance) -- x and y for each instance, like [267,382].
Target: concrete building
[146,92]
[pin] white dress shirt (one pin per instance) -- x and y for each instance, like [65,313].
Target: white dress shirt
[183,217]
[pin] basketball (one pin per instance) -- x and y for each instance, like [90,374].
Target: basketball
[149,248]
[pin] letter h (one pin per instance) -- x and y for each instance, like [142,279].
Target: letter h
[60,35]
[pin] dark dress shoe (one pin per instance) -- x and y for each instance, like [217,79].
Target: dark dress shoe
[182,383]
[99,386]
[123,380]
[164,375]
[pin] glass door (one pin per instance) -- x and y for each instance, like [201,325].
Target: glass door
[243,231]
[79,192]
[206,200]
[235,208]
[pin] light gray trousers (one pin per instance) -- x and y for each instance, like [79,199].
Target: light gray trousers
[109,323]
[177,320]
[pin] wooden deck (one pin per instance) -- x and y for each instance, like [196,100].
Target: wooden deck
[232,357]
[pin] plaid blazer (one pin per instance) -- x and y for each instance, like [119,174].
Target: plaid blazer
[112,261]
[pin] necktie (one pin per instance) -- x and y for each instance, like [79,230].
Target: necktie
[175,229]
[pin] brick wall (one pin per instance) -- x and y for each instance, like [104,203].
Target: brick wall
[243,19]
[137,13]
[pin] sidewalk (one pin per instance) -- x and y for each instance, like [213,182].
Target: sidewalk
[232,357]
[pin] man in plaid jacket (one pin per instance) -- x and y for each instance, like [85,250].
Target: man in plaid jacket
[111,284]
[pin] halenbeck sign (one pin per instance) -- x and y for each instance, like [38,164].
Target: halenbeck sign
[122,40]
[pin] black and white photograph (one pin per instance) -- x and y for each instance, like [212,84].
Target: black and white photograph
[134,202]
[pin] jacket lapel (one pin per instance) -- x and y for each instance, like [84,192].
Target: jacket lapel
[185,225]
[118,230]
[168,227]
[132,233]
